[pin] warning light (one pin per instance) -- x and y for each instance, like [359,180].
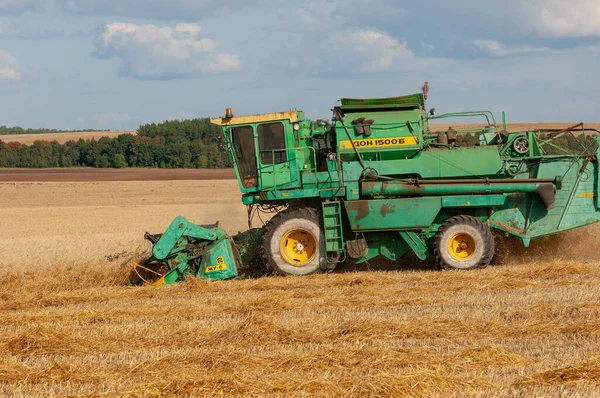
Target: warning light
[228,113]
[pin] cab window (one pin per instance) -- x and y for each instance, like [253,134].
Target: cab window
[271,142]
[245,153]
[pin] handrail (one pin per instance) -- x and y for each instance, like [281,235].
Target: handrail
[486,114]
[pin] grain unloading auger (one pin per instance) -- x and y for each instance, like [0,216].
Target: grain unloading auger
[380,182]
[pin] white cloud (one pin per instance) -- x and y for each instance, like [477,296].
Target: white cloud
[150,52]
[496,49]
[9,68]
[574,18]
[312,13]
[374,51]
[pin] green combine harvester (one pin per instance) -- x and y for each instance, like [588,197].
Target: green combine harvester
[379,182]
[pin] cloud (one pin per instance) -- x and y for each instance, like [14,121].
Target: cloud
[374,51]
[574,18]
[9,68]
[155,9]
[151,52]
[363,52]
[496,49]
[313,12]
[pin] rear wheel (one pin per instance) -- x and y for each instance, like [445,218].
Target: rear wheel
[294,243]
[464,242]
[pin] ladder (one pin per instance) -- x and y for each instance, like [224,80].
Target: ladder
[332,222]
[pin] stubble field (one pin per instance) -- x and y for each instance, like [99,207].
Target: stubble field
[527,326]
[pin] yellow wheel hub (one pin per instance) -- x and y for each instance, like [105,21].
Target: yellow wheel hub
[298,247]
[461,246]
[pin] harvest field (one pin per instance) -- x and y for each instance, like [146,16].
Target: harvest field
[527,326]
[29,139]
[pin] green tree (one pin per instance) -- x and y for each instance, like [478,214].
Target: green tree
[202,162]
[119,161]
[103,162]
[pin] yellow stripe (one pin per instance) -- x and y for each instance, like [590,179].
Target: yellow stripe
[587,195]
[292,116]
[379,142]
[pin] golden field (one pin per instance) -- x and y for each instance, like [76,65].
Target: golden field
[527,326]
[29,139]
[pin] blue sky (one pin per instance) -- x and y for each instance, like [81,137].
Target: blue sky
[117,64]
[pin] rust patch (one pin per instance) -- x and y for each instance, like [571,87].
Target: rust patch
[387,209]
[367,185]
[509,228]
[362,209]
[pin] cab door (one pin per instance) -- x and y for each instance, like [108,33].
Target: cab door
[277,162]
[243,152]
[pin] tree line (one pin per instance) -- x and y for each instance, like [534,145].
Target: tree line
[172,144]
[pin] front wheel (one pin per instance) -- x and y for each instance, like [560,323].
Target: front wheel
[464,242]
[294,243]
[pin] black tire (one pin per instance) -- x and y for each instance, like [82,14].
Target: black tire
[464,243]
[286,255]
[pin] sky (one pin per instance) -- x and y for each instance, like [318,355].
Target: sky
[115,64]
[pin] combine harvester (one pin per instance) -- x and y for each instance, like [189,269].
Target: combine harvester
[379,182]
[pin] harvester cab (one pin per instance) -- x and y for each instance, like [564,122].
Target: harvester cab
[379,181]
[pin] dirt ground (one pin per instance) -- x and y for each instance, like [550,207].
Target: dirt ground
[85,174]
[70,326]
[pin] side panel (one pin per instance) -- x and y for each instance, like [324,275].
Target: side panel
[525,215]
[436,163]
[380,135]
[392,214]
[218,262]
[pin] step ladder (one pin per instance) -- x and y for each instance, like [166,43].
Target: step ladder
[332,222]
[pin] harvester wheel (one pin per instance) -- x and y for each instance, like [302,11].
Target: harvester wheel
[294,243]
[464,242]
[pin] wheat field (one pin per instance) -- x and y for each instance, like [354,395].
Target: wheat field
[527,326]
[61,138]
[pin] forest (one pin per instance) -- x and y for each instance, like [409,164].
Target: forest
[172,144]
